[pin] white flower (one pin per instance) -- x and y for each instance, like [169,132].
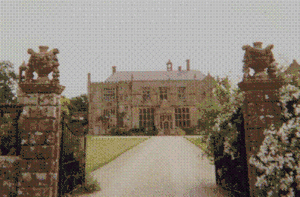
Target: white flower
[297,110]
[270,193]
[298,134]
[261,182]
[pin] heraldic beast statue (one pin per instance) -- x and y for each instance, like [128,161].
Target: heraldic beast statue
[260,60]
[43,63]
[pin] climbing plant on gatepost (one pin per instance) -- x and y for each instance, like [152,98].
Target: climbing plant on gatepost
[277,161]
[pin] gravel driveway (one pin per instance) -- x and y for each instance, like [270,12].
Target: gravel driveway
[160,166]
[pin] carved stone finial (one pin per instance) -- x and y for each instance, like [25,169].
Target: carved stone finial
[272,70]
[55,51]
[257,45]
[43,49]
[43,63]
[22,69]
[30,51]
[259,60]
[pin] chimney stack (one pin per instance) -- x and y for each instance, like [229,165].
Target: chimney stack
[187,64]
[179,68]
[89,83]
[169,66]
[89,78]
[114,69]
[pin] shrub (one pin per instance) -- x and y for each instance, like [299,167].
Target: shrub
[278,158]
[189,131]
[92,184]
[225,146]
[223,135]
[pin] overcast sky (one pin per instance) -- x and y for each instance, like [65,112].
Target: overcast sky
[93,36]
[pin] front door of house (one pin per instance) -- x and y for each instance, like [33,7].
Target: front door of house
[166,123]
[166,128]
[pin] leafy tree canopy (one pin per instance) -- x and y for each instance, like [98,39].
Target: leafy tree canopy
[218,99]
[8,83]
[79,103]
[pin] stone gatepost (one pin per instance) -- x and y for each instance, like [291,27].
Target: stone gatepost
[39,125]
[261,100]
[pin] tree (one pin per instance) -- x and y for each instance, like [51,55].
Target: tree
[79,103]
[8,86]
[79,107]
[65,111]
[217,100]
[8,83]
[219,118]
[74,105]
[72,110]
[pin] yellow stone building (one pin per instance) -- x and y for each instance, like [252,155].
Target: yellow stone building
[143,99]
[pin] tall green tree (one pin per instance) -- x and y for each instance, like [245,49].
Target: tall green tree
[217,100]
[8,83]
[71,108]
[74,105]
[220,119]
[65,112]
[79,103]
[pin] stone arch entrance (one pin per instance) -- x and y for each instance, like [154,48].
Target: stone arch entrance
[165,118]
[166,123]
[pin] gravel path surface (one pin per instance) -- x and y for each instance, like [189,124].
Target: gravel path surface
[160,166]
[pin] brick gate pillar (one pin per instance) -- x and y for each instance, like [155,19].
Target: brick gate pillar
[39,125]
[261,100]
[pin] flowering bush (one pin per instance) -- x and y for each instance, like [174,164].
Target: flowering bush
[277,162]
[221,133]
[224,135]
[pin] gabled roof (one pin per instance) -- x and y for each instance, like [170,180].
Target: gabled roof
[155,75]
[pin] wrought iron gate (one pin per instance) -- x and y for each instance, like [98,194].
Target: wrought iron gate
[72,157]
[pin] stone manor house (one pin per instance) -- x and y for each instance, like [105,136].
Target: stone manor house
[144,99]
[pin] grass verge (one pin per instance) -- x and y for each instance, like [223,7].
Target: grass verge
[100,151]
[199,142]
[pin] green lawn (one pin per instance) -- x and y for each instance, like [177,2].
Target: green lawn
[102,150]
[197,141]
